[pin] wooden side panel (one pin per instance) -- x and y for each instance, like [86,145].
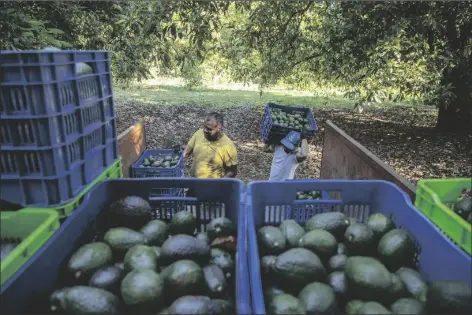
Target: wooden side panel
[131,144]
[345,158]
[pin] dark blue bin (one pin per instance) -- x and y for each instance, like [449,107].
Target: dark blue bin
[41,178]
[273,133]
[43,82]
[37,131]
[28,290]
[273,202]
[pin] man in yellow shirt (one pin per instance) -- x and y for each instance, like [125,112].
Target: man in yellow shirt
[215,155]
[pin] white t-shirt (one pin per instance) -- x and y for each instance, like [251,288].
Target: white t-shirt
[283,165]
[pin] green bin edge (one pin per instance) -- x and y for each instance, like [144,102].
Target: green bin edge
[430,200]
[33,242]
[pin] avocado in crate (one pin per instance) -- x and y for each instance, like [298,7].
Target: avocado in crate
[347,260]
[162,160]
[289,119]
[151,269]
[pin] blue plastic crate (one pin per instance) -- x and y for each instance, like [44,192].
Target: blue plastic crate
[73,173]
[143,172]
[98,148]
[215,197]
[273,133]
[36,131]
[273,202]
[43,82]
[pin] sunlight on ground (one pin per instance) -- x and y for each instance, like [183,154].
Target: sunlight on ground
[168,92]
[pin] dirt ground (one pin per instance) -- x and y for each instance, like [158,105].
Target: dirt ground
[403,137]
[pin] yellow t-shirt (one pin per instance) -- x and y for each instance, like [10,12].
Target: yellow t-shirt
[211,157]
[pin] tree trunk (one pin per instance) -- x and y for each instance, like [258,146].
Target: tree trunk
[457,116]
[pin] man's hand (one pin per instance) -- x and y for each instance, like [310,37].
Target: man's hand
[302,152]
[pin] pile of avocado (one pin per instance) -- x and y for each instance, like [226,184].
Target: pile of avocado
[161,268]
[308,195]
[335,264]
[289,119]
[7,245]
[463,206]
[161,160]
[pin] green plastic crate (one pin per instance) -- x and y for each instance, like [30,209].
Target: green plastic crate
[113,171]
[435,198]
[34,227]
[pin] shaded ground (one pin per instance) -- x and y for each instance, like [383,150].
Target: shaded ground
[402,137]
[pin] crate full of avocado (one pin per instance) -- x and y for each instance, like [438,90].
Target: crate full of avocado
[137,258]
[278,120]
[158,163]
[365,264]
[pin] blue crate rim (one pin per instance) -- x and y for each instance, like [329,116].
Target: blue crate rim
[136,164]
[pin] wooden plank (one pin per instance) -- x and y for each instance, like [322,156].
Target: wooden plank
[131,144]
[345,158]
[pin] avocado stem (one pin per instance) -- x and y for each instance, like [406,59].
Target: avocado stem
[219,288]
[218,229]
[78,274]
[53,308]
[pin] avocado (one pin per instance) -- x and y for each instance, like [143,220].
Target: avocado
[131,211]
[342,249]
[397,288]
[408,306]
[286,304]
[271,291]
[333,222]
[142,290]
[107,278]
[140,257]
[183,277]
[220,227]
[191,304]
[413,282]
[337,262]
[221,307]
[373,308]
[366,277]
[203,236]
[321,242]
[292,231]
[183,246]
[6,248]
[88,258]
[297,267]
[183,222]
[155,232]
[353,306]
[215,279]
[121,239]
[380,224]
[449,297]
[224,260]
[337,280]
[88,300]
[267,265]
[359,240]
[463,207]
[157,250]
[271,240]
[396,249]
[57,300]
[318,298]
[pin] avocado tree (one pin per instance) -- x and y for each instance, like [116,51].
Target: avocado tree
[375,51]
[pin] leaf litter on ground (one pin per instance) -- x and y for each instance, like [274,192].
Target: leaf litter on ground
[403,137]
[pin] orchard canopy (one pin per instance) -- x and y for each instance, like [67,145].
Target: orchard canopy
[419,51]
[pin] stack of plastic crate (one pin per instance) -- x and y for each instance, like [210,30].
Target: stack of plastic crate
[58,128]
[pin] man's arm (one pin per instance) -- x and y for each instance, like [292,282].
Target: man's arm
[231,171]
[188,150]
[190,145]
[302,153]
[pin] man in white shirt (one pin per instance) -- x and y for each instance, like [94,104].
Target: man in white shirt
[287,157]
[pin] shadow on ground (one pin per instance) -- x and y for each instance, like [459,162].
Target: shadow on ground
[403,137]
